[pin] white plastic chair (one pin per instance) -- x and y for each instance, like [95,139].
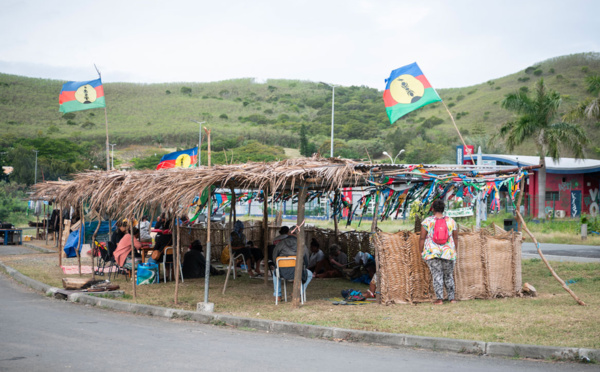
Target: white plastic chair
[233,258]
[286,261]
[169,250]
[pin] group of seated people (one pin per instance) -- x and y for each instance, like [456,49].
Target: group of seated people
[121,243]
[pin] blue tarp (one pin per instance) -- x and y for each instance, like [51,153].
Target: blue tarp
[73,243]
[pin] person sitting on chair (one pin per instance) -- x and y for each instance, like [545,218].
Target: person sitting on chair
[288,246]
[123,252]
[194,262]
[238,246]
[162,240]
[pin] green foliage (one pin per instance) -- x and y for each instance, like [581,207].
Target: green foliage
[523,79]
[538,72]
[524,89]
[460,97]
[432,121]
[186,90]
[167,92]
[11,201]
[419,151]
[223,116]
[461,114]
[148,162]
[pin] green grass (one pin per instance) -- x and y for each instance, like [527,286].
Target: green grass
[146,114]
[553,318]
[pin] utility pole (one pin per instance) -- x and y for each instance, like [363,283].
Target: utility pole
[112,167]
[199,139]
[35,177]
[332,112]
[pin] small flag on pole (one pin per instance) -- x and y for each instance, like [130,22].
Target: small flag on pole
[406,90]
[81,95]
[179,159]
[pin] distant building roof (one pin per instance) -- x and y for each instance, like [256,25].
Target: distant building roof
[563,166]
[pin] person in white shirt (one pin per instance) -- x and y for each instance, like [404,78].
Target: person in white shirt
[144,227]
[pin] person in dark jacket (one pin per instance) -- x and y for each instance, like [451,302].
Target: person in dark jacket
[287,245]
[194,263]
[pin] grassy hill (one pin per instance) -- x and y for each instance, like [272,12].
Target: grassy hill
[250,117]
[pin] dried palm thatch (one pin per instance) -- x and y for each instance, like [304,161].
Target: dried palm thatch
[121,193]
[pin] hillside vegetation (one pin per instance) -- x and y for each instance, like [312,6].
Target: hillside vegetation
[256,121]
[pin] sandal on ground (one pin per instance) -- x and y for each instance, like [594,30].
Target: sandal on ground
[438,302]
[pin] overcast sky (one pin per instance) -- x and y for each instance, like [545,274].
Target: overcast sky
[349,42]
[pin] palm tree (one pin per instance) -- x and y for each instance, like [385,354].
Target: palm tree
[589,108]
[539,120]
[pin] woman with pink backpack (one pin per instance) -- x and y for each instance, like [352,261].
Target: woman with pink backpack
[439,242]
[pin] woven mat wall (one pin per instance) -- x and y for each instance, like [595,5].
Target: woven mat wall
[487,266]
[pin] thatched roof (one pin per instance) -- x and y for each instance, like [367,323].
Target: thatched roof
[124,193]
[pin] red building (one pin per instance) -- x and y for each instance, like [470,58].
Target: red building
[571,185]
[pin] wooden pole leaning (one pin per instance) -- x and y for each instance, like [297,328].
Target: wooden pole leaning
[300,246]
[562,283]
[458,131]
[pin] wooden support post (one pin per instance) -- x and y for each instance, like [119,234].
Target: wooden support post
[61,222]
[373,232]
[132,259]
[266,238]
[335,218]
[300,246]
[81,240]
[176,258]
[228,239]
[209,209]
[94,245]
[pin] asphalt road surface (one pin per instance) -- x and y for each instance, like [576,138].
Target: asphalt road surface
[567,250]
[38,333]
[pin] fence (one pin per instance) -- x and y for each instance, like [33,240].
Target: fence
[488,265]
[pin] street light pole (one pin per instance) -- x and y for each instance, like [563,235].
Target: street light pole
[332,116]
[35,177]
[199,139]
[112,166]
[394,159]
[332,112]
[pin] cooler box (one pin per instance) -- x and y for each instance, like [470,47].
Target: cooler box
[147,274]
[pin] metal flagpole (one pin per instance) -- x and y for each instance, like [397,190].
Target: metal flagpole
[199,140]
[106,122]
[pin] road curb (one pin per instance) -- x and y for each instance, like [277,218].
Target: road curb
[495,349]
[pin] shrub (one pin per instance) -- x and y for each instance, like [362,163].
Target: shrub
[167,92]
[524,89]
[585,69]
[538,72]
[186,90]
[523,79]
[472,91]
[551,70]
[460,97]
[451,104]
[223,116]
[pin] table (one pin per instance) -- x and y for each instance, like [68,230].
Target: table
[9,236]
[144,250]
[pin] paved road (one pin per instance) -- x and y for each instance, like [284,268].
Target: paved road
[42,334]
[589,253]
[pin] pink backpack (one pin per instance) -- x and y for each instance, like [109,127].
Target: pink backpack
[440,231]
